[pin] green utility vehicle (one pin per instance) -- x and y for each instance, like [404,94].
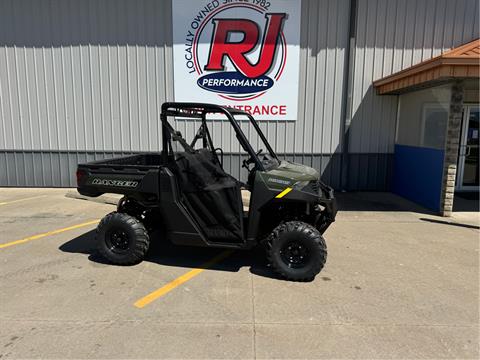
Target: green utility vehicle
[184,193]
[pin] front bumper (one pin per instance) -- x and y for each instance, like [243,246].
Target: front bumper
[328,206]
[320,197]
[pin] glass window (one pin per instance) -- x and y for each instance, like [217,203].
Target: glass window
[434,126]
[423,117]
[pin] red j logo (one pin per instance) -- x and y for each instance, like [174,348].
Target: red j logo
[221,47]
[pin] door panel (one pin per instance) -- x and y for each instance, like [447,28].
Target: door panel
[469,150]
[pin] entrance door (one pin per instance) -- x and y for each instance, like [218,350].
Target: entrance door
[468,168]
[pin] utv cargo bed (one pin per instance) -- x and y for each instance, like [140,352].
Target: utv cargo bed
[128,175]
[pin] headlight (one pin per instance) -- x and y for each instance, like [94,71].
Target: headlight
[299,185]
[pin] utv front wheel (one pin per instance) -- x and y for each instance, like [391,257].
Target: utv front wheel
[297,251]
[122,239]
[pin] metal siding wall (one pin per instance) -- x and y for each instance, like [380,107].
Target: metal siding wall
[89,77]
[83,75]
[392,35]
[324,39]
[45,168]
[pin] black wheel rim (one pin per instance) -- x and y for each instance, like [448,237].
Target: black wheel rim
[117,241]
[294,255]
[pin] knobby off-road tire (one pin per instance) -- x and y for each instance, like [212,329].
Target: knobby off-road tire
[122,239]
[296,251]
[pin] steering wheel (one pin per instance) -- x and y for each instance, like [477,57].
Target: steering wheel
[251,160]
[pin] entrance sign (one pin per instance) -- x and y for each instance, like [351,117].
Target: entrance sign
[238,53]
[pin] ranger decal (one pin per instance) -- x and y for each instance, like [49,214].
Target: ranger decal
[119,183]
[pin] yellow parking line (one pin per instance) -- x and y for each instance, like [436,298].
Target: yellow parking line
[24,199]
[54,232]
[180,280]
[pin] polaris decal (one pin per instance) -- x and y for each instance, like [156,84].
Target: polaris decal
[239,53]
[115,183]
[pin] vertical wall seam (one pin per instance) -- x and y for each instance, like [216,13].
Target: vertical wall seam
[331,148]
[432,45]
[10,102]
[314,90]
[137,85]
[464,22]
[29,111]
[453,27]
[413,35]
[424,30]
[119,93]
[38,111]
[324,100]
[4,120]
[82,86]
[347,93]
[129,107]
[65,107]
[92,102]
[110,102]
[55,92]
[371,98]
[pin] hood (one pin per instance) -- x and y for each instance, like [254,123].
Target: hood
[294,171]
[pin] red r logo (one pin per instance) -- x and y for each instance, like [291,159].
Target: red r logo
[236,51]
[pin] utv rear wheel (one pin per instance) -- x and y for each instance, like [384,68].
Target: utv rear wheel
[122,239]
[297,251]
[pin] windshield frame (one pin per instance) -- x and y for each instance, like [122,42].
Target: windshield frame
[262,136]
[199,110]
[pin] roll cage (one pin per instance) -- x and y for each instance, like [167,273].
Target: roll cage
[200,111]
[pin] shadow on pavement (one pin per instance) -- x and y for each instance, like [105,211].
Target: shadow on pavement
[167,254]
[377,201]
[451,223]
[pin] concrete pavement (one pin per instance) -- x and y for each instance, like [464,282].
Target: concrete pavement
[399,283]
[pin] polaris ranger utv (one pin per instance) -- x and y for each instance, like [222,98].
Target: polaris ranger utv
[184,193]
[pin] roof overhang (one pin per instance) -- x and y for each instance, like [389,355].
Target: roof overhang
[459,63]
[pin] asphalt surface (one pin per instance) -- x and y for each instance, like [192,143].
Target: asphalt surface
[399,283]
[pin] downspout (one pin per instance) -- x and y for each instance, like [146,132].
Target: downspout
[346,113]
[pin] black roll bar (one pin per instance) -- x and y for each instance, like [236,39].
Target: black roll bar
[198,111]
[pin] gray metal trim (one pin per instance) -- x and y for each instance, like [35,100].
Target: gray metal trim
[347,92]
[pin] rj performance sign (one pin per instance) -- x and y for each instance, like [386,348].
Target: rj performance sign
[240,53]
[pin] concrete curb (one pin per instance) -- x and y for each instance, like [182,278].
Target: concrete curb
[110,199]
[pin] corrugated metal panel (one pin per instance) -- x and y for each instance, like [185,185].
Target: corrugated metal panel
[324,39]
[392,35]
[45,168]
[84,75]
[88,76]
[91,76]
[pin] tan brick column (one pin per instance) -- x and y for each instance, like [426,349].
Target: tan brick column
[454,129]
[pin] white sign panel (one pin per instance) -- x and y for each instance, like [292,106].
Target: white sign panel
[239,53]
